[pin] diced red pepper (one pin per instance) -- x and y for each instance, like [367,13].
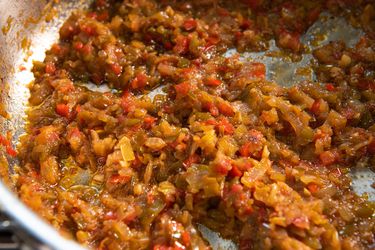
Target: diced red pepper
[209,106]
[168,45]
[224,124]
[223,167]
[245,150]
[190,24]
[211,81]
[194,158]
[116,68]
[86,49]
[366,84]
[312,187]
[253,4]
[223,12]
[22,68]
[63,110]
[225,108]
[185,236]
[74,133]
[97,78]
[330,87]
[182,89]
[127,102]
[56,49]
[162,247]
[140,81]
[212,40]
[101,3]
[78,108]
[50,68]
[88,30]
[92,15]
[236,188]
[78,45]
[182,45]
[315,107]
[313,15]
[11,151]
[110,215]
[235,172]
[246,23]
[103,16]
[149,121]
[119,179]
[371,147]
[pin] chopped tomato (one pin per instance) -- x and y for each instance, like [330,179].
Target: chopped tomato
[330,87]
[225,108]
[182,89]
[63,110]
[210,81]
[190,24]
[257,70]
[140,81]
[50,68]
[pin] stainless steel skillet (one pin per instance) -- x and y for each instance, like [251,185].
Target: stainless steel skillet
[29,27]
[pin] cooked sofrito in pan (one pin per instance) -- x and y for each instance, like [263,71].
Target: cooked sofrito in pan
[263,165]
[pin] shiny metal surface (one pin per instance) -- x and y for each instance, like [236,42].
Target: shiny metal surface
[27,32]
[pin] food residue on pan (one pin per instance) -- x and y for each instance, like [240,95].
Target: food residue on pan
[5,28]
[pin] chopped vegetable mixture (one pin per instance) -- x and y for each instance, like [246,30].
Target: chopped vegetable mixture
[263,165]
